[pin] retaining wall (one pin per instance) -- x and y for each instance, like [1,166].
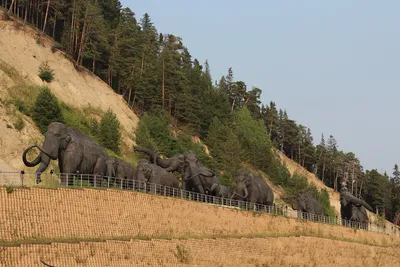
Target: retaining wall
[282,251]
[63,213]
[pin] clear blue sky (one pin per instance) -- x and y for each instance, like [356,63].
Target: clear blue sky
[333,65]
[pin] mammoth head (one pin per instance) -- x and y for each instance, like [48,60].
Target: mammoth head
[190,157]
[112,166]
[144,170]
[346,198]
[244,176]
[56,140]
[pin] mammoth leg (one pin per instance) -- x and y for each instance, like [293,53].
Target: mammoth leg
[70,165]
[43,166]
[98,172]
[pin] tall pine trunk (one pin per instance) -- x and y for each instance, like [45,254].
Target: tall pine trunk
[45,17]
[26,12]
[54,26]
[11,6]
[163,84]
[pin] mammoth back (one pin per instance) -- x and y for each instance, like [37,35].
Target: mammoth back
[85,140]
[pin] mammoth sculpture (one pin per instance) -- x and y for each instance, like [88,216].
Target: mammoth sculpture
[172,164]
[154,174]
[74,151]
[220,190]
[359,214]
[197,177]
[306,202]
[352,208]
[122,171]
[252,188]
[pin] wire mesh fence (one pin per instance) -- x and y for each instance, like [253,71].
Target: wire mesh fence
[77,180]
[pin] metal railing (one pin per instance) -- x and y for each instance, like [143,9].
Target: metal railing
[91,181]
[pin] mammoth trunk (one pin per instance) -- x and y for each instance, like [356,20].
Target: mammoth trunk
[42,158]
[33,163]
[214,187]
[154,156]
[246,193]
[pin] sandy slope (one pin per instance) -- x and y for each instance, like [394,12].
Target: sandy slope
[19,49]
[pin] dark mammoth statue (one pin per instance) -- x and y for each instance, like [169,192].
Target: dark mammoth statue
[197,177]
[359,214]
[172,164]
[151,173]
[252,188]
[220,190]
[351,208]
[306,202]
[121,171]
[74,151]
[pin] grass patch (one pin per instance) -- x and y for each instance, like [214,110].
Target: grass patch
[19,124]
[38,240]
[183,255]
[9,189]
[9,71]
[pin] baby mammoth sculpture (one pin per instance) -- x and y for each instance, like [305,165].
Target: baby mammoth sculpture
[74,151]
[153,174]
[352,208]
[220,190]
[252,188]
[120,172]
[306,202]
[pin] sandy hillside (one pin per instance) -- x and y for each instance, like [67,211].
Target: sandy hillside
[19,48]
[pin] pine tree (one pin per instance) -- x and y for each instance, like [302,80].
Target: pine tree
[147,90]
[396,175]
[46,109]
[110,134]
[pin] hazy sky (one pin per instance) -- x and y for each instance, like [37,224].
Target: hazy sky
[333,65]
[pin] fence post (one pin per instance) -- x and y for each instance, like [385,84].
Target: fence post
[22,178]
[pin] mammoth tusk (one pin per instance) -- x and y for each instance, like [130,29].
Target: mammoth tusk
[45,152]
[33,163]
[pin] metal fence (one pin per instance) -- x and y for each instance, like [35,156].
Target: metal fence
[91,181]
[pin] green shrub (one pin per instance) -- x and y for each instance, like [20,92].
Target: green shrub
[46,109]
[45,72]
[153,132]
[323,197]
[75,118]
[110,134]
[19,124]
[278,172]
